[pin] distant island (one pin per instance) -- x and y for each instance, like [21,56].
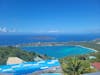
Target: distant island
[42,38]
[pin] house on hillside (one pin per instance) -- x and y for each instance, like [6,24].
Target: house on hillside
[96,65]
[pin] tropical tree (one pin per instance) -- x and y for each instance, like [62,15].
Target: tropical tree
[75,66]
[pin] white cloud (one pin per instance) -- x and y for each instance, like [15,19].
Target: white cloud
[4,29]
[53,31]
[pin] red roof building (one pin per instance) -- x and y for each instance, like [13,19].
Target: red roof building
[96,65]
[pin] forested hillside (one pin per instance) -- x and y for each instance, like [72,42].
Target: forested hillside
[6,52]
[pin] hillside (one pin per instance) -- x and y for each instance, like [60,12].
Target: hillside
[6,52]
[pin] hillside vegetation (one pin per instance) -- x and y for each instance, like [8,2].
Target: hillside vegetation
[6,52]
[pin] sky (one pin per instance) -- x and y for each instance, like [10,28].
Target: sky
[50,16]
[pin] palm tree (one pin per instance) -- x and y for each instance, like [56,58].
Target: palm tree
[74,66]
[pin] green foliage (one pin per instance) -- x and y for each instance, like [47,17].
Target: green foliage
[6,52]
[75,66]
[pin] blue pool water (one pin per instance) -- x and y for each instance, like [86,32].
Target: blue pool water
[28,67]
[59,51]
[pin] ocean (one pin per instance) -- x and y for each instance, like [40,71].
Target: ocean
[59,51]
[14,39]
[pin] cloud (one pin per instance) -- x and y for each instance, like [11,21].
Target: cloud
[53,31]
[4,29]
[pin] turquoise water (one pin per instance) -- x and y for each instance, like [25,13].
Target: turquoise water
[59,51]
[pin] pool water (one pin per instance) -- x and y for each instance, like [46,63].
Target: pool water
[30,67]
[59,51]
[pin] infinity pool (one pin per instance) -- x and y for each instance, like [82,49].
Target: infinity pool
[59,51]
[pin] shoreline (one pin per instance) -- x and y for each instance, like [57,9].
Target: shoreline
[48,44]
[87,48]
[40,44]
